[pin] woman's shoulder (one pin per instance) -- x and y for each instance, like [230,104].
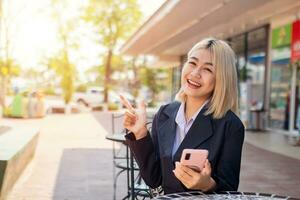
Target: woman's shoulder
[169,108]
[233,120]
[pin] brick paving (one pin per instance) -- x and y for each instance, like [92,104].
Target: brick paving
[267,172]
[73,161]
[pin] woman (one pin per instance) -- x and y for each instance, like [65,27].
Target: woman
[202,119]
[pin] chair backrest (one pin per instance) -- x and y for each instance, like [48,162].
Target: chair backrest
[117,123]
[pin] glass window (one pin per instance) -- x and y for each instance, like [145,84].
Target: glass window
[280,90]
[250,49]
[256,66]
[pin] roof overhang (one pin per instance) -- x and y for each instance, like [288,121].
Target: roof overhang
[178,24]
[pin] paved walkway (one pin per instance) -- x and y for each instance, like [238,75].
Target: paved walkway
[267,172]
[73,161]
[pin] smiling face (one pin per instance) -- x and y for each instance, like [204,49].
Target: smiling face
[198,75]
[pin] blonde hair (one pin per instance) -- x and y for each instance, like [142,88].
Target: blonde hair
[225,93]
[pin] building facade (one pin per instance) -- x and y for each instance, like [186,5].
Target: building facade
[263,33]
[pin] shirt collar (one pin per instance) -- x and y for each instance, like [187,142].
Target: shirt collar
[199,110]
[180,117]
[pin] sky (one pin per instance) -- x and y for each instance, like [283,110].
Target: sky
[33,32]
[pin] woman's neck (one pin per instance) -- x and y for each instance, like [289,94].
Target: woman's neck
[192,105]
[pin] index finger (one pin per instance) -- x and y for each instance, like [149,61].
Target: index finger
[189,170]
[126,103]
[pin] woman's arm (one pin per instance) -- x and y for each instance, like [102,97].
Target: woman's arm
[227,172]
[146,153]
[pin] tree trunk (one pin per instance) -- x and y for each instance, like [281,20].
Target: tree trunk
[3,91]
[107,75]
[136,81]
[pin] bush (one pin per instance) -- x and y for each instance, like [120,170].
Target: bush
[112,106]
[81,88]
[151,104]
[49,91]
[6,111]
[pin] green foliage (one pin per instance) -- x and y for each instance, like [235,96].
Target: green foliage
[114,21]
[112,106]
[61,63]
[81,88]
[49,91]
[66,70]
[156,80]
[9,68]
[243,74]
[151,104]
[148,78]
[67,84]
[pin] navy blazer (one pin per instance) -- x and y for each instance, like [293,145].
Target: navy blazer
[223,138]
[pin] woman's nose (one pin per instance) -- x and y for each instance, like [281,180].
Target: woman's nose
[196,71]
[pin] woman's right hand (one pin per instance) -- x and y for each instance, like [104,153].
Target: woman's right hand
[135,119]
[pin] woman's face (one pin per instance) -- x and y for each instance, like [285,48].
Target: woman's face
[198,75]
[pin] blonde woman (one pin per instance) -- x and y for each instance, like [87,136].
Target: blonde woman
[203,117]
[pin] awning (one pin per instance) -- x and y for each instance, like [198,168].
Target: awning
[178,24]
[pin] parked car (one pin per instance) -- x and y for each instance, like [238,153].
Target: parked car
[114,97]
[94,96]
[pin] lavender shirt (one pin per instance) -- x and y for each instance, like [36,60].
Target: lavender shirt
[182,126]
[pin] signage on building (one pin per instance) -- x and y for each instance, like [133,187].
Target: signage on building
[295,44]
[281,36]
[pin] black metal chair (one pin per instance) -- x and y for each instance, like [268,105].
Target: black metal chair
[120,153]
[121,162]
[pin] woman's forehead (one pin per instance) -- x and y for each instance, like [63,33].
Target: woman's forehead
[202,55]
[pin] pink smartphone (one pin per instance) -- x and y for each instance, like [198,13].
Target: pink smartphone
[194,158]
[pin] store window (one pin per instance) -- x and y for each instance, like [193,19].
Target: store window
[297,116]
[280,89]
[250,49]
[256,67]
[281,73]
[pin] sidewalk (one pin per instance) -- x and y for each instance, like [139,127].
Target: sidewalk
[275,142]
[73,161]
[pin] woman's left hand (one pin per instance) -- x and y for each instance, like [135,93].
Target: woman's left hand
[195,180]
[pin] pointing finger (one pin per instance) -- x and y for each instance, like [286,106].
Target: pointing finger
[142,105]
[126,103]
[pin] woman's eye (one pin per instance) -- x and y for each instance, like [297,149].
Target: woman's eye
[207,69]
[192,63]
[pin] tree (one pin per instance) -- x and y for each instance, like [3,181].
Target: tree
[135,82]
[66,70]
[8,67]
[114,21]
[148,78]
[61,63]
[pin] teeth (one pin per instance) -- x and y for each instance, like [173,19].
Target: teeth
[194,83]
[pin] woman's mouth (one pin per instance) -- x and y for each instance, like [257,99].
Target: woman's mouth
[193,84]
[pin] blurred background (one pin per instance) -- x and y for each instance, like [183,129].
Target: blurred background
[63,61]
[69,50]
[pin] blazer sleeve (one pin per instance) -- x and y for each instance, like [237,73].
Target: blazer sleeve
[227,171]
[146,153]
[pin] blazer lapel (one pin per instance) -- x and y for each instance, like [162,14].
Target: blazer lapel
[168,129]
[200,131]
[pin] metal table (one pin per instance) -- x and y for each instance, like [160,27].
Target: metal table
[224,196]
[131,167]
